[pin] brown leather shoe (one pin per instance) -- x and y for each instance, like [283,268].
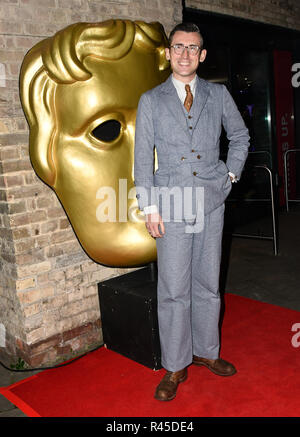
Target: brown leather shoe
[219,367]
[166,389]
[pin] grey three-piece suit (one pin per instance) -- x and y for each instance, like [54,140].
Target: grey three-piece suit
[195,182]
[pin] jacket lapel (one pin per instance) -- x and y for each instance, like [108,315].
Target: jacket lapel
[202,93]
[171,100]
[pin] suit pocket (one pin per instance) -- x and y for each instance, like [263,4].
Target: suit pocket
[221,168]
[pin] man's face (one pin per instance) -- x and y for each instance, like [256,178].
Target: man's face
[184,66]
[94,165]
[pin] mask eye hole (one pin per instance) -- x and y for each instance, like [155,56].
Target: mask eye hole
[107,131]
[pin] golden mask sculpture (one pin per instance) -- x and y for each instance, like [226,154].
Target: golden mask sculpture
[80,90]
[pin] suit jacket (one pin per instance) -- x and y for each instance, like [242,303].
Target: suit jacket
[187,145]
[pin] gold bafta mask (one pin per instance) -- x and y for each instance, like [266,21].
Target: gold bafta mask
[80,90]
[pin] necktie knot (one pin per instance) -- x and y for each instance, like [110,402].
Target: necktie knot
[189,98]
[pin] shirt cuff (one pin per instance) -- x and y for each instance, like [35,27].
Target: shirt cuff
[151,209]
[233,177]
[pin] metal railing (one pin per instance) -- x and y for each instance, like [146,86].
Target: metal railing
[286,190]
[274,236]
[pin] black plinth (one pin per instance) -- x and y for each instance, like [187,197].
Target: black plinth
[128,306]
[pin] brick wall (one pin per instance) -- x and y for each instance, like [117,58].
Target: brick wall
[48,285]
[284,13]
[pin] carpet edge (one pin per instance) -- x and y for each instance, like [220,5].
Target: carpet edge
[18,402]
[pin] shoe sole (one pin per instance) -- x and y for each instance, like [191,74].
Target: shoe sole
[212,370]
[170,399]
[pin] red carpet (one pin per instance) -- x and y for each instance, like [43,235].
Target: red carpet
[256,337]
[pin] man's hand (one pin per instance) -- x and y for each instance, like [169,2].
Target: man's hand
[155,225]
[233,177]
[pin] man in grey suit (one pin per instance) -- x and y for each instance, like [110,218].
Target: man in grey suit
[183,202]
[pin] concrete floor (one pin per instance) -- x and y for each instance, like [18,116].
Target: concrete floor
[249,269]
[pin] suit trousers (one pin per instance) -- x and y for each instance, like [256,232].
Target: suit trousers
[188,291]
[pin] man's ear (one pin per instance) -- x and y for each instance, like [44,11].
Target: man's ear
[167,52]
[203,55]
[37,93]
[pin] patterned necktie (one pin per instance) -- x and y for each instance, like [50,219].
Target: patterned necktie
[189,98]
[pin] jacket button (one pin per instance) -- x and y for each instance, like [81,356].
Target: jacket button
[198,156]
[189,116]
[192,150]
[190,127]
[182,158]
[194,173]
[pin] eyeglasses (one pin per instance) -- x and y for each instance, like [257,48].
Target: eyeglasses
[192,49]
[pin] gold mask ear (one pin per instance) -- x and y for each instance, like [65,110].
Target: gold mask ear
[37,92]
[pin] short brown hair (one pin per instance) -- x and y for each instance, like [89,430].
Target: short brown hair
[186,27]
